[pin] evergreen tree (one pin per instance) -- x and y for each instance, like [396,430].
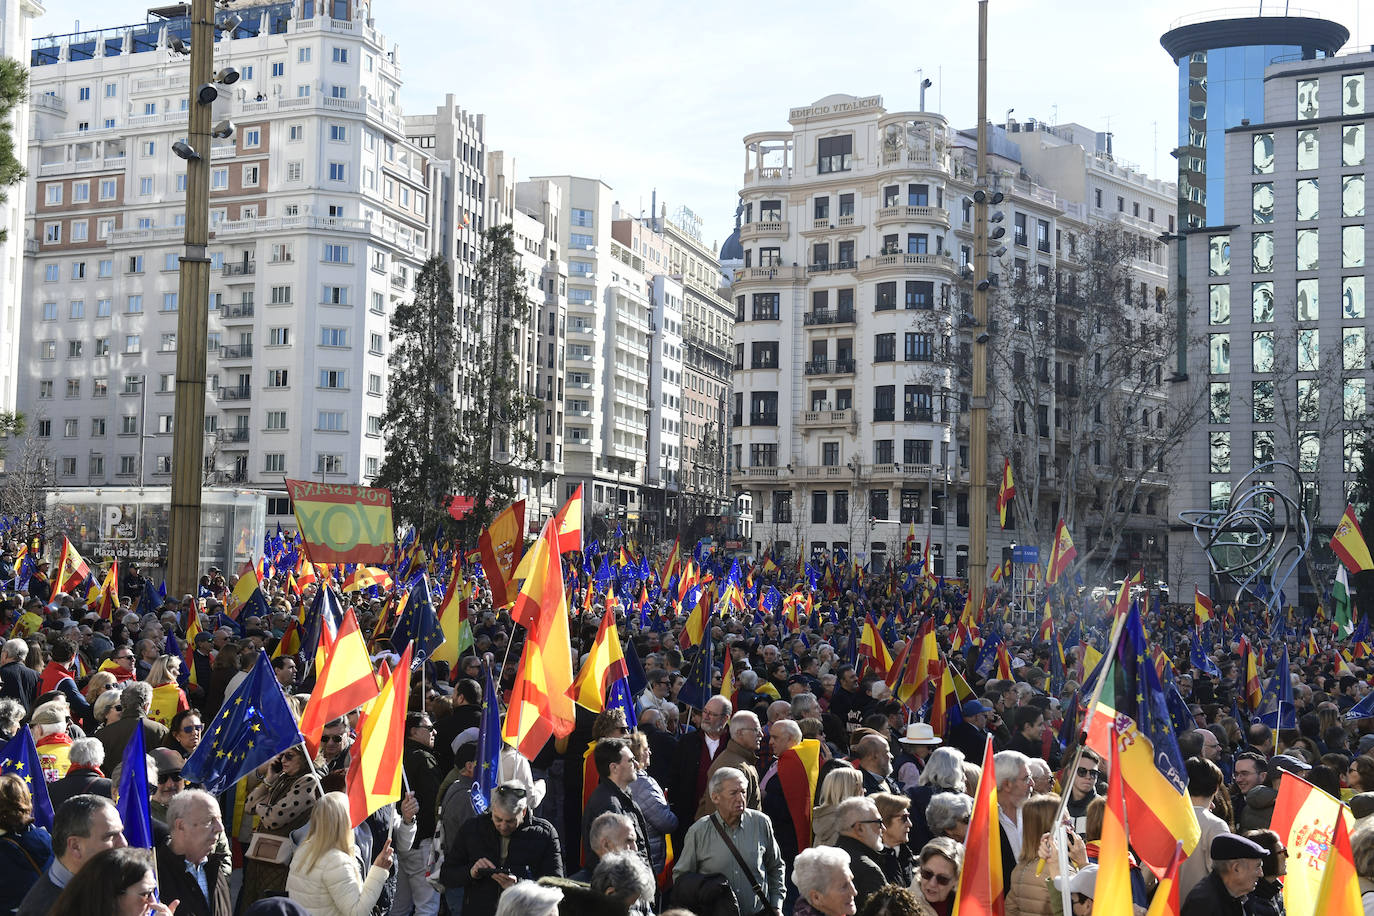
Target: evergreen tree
[14,88]
[421,433]
[497,445]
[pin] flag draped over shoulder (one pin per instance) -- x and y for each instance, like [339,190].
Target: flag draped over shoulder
[799,768]
[980,880]
[254,725]
[540,703]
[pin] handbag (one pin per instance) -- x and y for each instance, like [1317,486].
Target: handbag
[766,907]
[270,848]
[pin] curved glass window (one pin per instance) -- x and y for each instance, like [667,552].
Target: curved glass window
[1219,346]
[1262,253]
[1352,297]
[1262,202]
[1352,93]
[1309,202]
[1308,107]
[1262,302]
[1219,255]
[1308,308]
[1219,303]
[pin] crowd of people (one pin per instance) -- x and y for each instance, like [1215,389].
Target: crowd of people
[663,808]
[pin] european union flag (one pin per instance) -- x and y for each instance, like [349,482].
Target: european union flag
[20,757]
[603,572]
[634,669]
[133,793]
[1199,659]
[1361,710]
[253,726]
[419,625]
[699,686]
[161,591]
[619,695]
[488,748]
[146,604]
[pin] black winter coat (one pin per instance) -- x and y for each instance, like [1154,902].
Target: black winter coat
[533,852]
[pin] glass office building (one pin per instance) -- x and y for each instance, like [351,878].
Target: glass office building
[1220,83]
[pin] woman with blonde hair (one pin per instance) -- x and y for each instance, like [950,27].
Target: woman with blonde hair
[324,876]
[840,783]
[1038,863]
[163,674]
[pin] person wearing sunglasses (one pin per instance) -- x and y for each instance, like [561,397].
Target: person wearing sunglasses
[937,876]
[167,765]
[1083,788]
[861,838]
[424,777]
[185,731]
[1082,885]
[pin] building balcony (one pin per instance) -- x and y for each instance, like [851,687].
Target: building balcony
[830,367]
[884,414]
[236,312]
[764,229]
[769,274]
[1069,342]
[817,317]
[236,393]
[906,213]
[918,414]
[743,474]
[764,418]
[826,267]
[828,419]
[236,352]
[768,175]
[899,263]
[238,434]
[1066,389]
[240,269]
[827,472]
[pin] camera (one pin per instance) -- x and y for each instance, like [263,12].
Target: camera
[488,872]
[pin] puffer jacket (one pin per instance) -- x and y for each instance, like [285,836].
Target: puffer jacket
[333,887]
[1030,892]
[1257,810]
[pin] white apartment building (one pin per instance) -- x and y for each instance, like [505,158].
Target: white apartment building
[15,27]
[606,401]
[320,217]
[853,342]
[665,460]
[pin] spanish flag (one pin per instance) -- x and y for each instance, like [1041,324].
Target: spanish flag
[569,520]
[541,704]
[1251,689]
[674,558]
[1202,607]
[873,649]
[344,679]
[1113,886]
[246,594]
[604,666]
[1165,901]
[453,618]
[1006,493]
[798,770]
[728,688]
[501,545]
[374,769]
[980,880]
[1305,818]
[1340,886]
[109,593]
[72,571]
[1348,543]
[1061,554]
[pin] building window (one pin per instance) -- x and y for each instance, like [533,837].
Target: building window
[833,154]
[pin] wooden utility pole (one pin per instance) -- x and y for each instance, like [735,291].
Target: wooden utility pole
[193,305]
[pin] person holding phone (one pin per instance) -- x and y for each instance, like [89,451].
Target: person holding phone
[283,801]
[325,877]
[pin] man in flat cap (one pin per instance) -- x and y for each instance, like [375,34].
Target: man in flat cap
[1237,866]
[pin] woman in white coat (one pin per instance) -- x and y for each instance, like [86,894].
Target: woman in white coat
[325,877]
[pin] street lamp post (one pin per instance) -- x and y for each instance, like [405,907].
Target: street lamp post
[188,429]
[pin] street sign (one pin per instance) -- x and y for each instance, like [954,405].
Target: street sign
[1025,553]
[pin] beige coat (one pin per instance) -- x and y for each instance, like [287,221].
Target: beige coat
[741,758]
[334,887]
[1030,892]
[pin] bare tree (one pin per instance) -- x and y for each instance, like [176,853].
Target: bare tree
[1080,394]
[28,478]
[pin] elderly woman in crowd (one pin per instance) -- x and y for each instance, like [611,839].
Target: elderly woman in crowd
[948,816]
[1039,861]
[825,886]
[185,731]
[283,802]
[839,784]
[106,708]
[653,804]
[943,774]
[937,876]
[896,858]
[25,849]
[11,714]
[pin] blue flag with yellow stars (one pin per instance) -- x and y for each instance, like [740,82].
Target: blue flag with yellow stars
[488,748]
[419,624]
[20,757]
[133,794]
[253,726]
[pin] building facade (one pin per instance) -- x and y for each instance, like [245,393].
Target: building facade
[320,218]
[853,335]
[16,18]
[1277,281]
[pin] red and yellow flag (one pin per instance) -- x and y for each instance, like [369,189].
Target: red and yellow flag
[1305,819]
[873,649]
[1112,893]
[72,571]
[1061,554]
[374,770]
[1202,607]
[604,666]
[798,769]
[1340,886]
[1006,493]
[980,880]
[1165,901]
[344,679]
[189,653]
[541,704]
[500,546]
[569,520]
[453,618]
[1348,543]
